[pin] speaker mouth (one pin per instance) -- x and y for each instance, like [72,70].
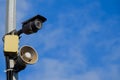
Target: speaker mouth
[28,55]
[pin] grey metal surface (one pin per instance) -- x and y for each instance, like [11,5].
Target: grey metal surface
[11,16]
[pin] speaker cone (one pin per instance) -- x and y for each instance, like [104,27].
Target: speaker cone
[28,55]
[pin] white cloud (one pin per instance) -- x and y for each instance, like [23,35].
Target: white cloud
[110,72]
[91,75]
[55,70]
[52,70]
[75,60]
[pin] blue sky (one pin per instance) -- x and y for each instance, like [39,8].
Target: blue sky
[79,41]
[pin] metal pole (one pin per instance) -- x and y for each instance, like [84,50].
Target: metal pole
[10,26]
[11,16]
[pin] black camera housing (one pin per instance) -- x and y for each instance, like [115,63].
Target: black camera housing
[32,25]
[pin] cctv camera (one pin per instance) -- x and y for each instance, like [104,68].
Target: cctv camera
[32,25]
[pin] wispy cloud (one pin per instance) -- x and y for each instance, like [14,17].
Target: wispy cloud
[63,45]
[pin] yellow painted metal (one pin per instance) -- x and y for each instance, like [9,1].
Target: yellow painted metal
[11,45]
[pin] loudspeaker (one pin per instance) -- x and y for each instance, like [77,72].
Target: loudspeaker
[27,55]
